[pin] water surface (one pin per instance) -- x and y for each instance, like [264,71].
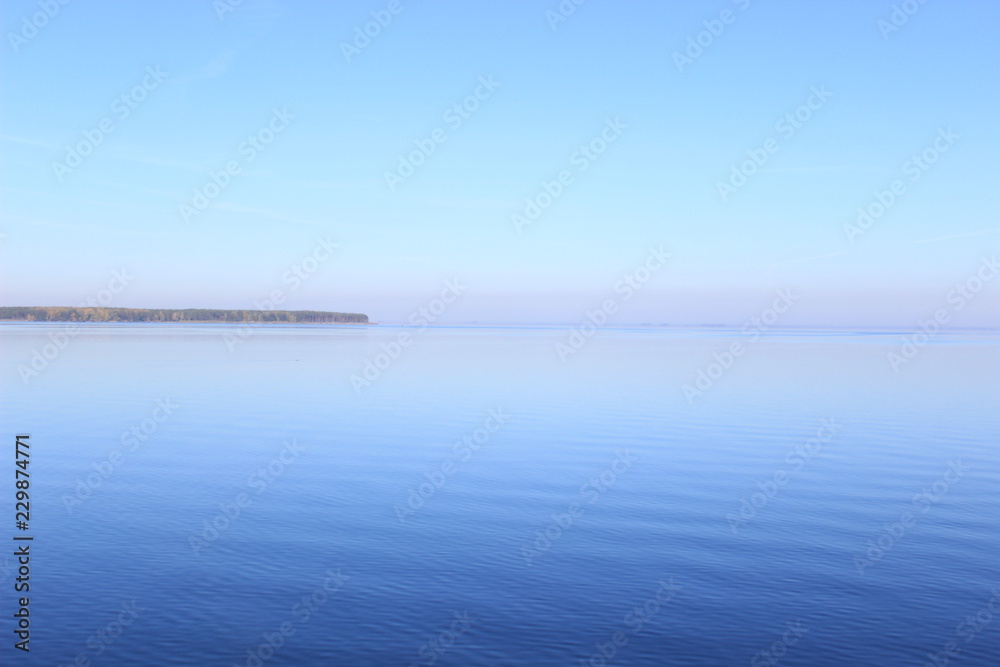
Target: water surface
[410,532]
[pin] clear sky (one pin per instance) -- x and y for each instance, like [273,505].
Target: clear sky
[198,80]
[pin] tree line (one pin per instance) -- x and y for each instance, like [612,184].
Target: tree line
[67,314]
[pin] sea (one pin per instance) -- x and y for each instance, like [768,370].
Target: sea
[501,495]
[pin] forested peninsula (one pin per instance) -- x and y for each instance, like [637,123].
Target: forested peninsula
[60,314]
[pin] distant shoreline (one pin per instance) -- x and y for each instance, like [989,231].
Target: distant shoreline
[176,315]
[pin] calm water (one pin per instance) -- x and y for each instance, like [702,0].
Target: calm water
[468,554]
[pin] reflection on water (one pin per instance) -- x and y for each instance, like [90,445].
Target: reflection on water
[478,501]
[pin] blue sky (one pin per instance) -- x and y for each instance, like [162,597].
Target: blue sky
[556,86]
